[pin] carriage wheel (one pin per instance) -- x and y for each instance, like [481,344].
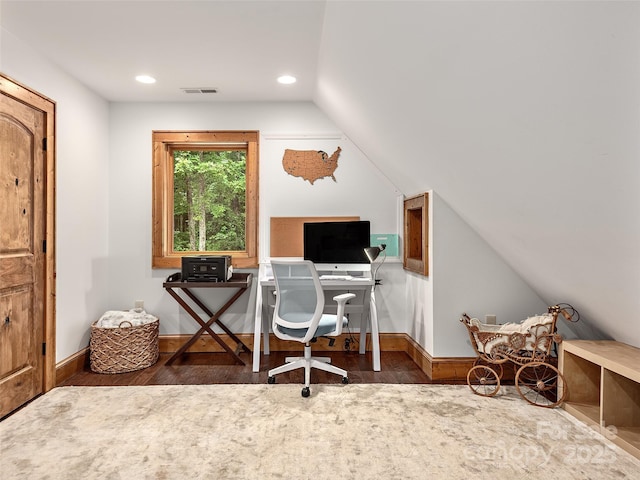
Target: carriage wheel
[496,367]
[483,381]
[538,384]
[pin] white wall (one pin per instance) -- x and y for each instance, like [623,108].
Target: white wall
[358,190]
[465,275]
[522,116]
[104,209]
[82,172]
[469,276]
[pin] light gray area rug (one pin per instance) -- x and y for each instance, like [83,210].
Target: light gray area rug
[271,432]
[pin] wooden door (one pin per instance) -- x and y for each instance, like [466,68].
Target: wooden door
[23,247]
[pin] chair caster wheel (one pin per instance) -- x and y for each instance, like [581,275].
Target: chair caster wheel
[271,380]
[345,380]
[306,392]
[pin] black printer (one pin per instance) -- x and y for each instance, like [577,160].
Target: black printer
[206,268]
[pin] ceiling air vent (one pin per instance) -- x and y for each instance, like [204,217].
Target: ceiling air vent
[200,90]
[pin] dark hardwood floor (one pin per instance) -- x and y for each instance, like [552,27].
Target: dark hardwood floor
[217,368]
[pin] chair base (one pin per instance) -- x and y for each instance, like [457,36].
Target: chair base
[307,362]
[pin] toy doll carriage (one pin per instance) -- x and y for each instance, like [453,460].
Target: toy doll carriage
[528,346]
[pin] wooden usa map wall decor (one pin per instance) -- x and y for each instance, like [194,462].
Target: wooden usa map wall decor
[310,165]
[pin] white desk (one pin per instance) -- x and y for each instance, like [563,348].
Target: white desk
[364,305]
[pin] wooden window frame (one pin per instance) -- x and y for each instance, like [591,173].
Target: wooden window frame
[164,142]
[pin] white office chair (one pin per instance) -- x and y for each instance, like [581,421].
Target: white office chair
[299,316]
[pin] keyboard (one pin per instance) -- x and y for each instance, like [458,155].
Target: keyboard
[335,277]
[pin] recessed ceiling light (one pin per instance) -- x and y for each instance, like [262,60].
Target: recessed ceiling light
[287,79]
[145,79]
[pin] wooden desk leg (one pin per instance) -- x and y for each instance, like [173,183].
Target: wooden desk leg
[204,327]
[217,315]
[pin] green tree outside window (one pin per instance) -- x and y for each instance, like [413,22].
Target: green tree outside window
[209,200]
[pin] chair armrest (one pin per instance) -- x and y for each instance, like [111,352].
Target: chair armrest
[341,300]
[344,297]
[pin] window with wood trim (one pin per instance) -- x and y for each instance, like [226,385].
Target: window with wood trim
[205,196]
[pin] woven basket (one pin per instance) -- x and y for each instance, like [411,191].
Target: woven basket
[123,349]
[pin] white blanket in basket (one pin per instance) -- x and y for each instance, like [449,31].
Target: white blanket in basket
[133,318]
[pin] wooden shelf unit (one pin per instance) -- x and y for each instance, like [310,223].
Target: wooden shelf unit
[603,388]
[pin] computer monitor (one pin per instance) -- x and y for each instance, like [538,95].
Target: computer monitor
[337,246]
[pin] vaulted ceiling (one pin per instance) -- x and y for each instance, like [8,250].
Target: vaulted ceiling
[523,116]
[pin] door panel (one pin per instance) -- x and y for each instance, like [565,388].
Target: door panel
[21,379]
[22,259]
